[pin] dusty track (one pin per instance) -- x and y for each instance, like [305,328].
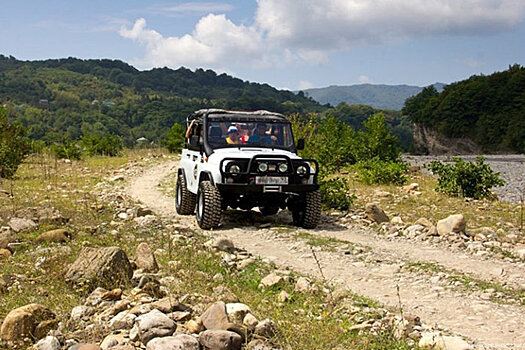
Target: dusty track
[491,325]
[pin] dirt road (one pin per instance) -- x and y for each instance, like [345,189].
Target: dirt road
[373,266]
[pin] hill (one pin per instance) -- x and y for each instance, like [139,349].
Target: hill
[489,110]
[378,96]
[71,97]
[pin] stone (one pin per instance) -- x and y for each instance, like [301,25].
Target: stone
[452,224]
[266,328]
[168,305]
[54,236]
[236,312]
[43,328]
[179,342]
[23,321]
[215,317]
[413,230]
[117,178]
[143,212]
[114,294]
[284,296]
[105,267]
[412,187]
[154,324]
[145,259]
[302,285]
[179,316]
[220,340]
[95,297]
[375,214]
[20,225]
[250,321]
[83,346]
[48,343]
[424,222]
[434,340]
[194,326]
[123,320]
[397,220]
[271,280]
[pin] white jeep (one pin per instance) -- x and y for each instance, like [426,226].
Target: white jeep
[244,160]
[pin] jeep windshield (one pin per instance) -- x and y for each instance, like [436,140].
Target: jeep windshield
[250,133]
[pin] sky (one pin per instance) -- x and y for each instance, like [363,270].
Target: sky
[289,44]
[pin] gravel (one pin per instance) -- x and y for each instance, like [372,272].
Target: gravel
[511,168]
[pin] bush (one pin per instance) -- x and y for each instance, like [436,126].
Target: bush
[14,146]
[67,149]
[335,193]
[466,179]
[174,140]
[108,145]
[377,171]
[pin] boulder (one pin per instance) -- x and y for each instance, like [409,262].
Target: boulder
[145,259]
[179,342]
[194,326]
[271,280]
[123,320]
[375,214]
[23,321]
[143,212]
[104,267]
[84,346]
[236,312]
[250,321]
[302,285]
[215,317]
[266,328]
[55,236]
[154,324]
[20,225]
[220,340]
[452,224]
[48,343]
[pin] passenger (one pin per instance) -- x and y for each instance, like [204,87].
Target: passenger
[233,135]
[260,136]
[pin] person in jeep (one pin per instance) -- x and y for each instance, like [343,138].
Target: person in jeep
[218,171]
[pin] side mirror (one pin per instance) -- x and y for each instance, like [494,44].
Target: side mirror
[194,141]
[300,144]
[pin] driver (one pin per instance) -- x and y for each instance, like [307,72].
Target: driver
[260,135]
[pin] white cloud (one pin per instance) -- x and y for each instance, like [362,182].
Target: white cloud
[364,79]
[303,85]
[471,63]
[188,7]
[286,32]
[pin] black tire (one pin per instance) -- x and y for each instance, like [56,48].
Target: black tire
[308,212]
[266,211]
[184,199]
[209,206]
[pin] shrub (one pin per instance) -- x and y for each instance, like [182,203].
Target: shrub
[377,171]
[108,145]
[335,193]
[174,140]
[67,149]
[466,179]
[14,146]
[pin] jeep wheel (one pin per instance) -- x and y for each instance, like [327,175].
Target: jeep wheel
[266,211]
[307,213]
[184,199]
[208,206]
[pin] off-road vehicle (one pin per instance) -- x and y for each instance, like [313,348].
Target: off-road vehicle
[245,160]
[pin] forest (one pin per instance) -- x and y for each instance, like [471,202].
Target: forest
[487,109]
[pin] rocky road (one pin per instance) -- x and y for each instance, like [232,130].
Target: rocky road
[372,266]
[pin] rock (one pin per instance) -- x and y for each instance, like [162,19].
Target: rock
[82,311]
[413,230]
[154,324]
[5,253]
[267,328]
[376,214]
[23,321]
[43,328]
[179,342]
[114,294]
[145,259]
[454,223]
[223,244]
[236,312]
[225,294]
[250,321]
[104,267]
[20,225]
[143,212]
[302,285]
[168,305]
[95,297]
[48,343]
[85,347]
[220,340]
[520,253]
[117,178]
[271,280]
[412,187]
[424,222]
[284,296]
[396,220]
[54,236]
[215,317]
[434,340]
[179,316]
[382,194]
[4,243]
[123,320]
[194,326]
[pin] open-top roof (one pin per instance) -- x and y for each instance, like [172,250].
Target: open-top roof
[229,115]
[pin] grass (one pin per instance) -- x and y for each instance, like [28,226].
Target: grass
[307,321]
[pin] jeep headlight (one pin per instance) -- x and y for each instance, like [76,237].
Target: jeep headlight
[262,167]
[302,170]
[283,167]
[235,169]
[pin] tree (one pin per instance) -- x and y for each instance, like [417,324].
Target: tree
[174,140]
[14,145]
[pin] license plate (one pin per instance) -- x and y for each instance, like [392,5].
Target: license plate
[271,180]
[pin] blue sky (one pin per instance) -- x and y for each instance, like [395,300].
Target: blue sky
[290,44]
